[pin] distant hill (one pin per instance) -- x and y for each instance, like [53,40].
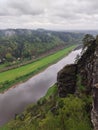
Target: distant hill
[92,32]
[26,43]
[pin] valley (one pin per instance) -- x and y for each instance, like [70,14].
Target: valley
[15,100]
[26,83]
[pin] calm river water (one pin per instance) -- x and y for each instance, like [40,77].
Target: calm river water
[16,99]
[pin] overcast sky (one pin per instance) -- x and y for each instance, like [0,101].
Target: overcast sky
[49,14]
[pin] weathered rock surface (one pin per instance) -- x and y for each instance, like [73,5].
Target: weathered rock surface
[67,80]
[94,114]
[87,69]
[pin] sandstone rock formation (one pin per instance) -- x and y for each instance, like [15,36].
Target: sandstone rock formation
[94,114]
[85,74]
[67,80]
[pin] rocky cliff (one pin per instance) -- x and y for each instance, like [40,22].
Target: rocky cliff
[82,78]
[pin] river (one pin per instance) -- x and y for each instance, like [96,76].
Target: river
[16,99]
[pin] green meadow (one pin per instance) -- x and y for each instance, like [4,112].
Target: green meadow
[13,76]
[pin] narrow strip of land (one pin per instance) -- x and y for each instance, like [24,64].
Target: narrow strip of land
[11,77]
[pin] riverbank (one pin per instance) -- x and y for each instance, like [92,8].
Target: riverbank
[21,74]
[9,66]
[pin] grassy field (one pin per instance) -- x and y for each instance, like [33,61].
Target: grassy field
[2,66]
[10,77]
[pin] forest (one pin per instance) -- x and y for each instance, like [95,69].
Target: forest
[24,44]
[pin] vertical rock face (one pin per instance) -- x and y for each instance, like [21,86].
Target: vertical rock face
[67,80]
[87,69]
[94,114]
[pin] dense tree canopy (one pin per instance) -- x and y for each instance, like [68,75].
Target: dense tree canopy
[22,43]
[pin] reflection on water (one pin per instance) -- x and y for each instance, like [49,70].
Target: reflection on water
[16,99]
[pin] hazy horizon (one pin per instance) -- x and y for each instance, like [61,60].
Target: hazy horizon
[70,30]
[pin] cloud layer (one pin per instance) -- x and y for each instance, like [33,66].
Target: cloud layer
[50,14]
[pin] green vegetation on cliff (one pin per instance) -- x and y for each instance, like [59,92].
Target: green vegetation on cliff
[54,113]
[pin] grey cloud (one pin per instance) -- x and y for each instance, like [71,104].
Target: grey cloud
[21,7]
[26,7]
[76,8]
[49,13]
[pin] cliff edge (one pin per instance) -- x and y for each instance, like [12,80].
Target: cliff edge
[81,78]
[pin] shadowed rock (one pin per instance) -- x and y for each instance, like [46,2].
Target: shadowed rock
[66,80]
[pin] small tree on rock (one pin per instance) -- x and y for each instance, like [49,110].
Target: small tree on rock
[88,40]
